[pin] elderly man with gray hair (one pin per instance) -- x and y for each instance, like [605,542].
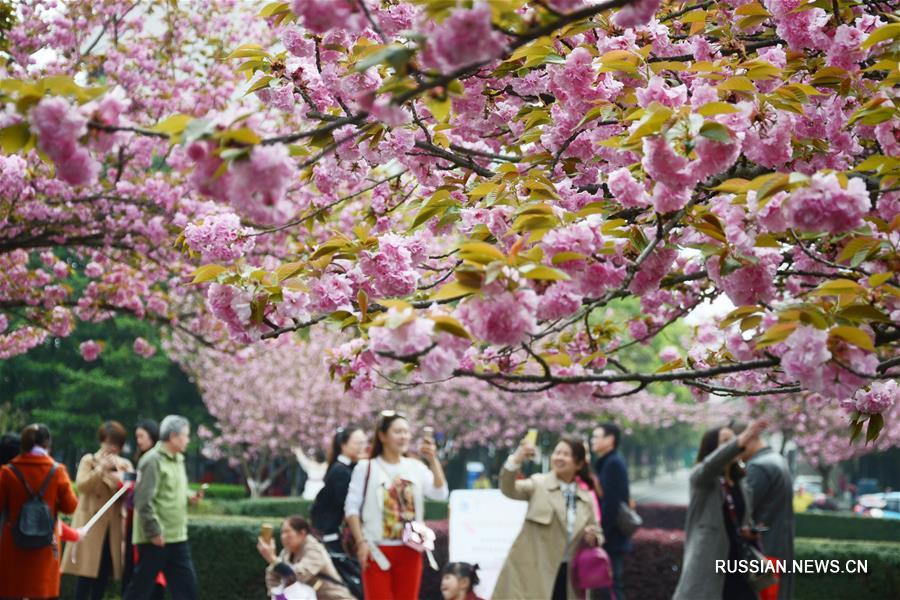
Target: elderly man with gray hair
[160,507]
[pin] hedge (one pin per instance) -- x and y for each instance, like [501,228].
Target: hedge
[229,568]
[223,491]
[842,526]
[881,581]
[293,505]
[812,524]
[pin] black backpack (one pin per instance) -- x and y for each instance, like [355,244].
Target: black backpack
[35,526]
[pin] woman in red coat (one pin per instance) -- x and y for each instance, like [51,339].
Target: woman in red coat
[32,573]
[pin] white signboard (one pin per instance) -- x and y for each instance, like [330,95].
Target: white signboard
[483,526]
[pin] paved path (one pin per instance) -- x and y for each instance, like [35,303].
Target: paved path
[668,488]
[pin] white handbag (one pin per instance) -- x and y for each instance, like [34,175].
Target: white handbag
[295,591]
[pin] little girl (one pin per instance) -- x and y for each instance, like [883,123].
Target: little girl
[459,581]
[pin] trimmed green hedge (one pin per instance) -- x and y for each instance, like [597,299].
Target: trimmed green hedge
[293,505]
[223,491]
[882,579]
[225,558]
[846,527]
[229,568]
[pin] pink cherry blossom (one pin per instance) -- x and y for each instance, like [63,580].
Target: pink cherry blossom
[635,14]
[219,238]
[58,126]
[652,271]
[825,205]
[144,348]
[90,350]
[464,38]
[879,398]
[806,356]
[503,319]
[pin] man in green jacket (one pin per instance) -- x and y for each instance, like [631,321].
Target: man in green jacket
[160,509]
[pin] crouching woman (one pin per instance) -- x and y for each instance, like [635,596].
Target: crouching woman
[303,556]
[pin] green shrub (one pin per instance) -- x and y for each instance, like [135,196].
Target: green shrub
[294,505]
[882,579]
[229,568]
[846,527]
[268,507]
[223,491]
[225,557]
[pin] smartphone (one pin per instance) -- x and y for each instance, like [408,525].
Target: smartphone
[428,433]
[531,437]
[265,532]
[759,529]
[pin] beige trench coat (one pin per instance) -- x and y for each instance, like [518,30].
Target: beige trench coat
[95,487]
[534,559]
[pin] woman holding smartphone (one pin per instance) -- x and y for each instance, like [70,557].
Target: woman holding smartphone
[387,492]
[561,518]
[718,513]
[98,556]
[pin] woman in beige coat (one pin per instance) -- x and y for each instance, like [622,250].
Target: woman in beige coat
[98,555]
[561,519]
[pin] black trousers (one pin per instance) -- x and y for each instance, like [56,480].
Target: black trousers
[93,588]
[174,560]
[560,585]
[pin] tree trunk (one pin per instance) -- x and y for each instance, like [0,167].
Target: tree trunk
[258,488]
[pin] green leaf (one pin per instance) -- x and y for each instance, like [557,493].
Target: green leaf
[450,325]
[838,287]
[737,84]
[776,333]
[243,135]
[173,125]
[863,312]
[855,429]
[717,108]
[652,122]
[397,56]
[542,272]
[853,335]
[14,137]
[207,273]
[715,131]
[273,9]
[480,252]
[247,51]
[262,82]
[876,424]
[439,107]
[562,257]
[882,34]
[454,289]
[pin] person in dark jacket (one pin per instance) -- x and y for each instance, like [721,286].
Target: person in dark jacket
[719,514]
[327,513]
[613,477]
[771,485]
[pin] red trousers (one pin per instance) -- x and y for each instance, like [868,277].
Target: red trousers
[400,582]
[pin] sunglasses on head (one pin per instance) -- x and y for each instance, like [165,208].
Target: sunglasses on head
[387,416]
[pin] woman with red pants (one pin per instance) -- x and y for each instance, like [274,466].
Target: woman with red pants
[386,492]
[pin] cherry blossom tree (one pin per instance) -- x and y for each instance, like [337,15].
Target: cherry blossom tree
[464,187]
[267,399]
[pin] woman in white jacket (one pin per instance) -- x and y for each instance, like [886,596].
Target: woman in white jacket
[386,492]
